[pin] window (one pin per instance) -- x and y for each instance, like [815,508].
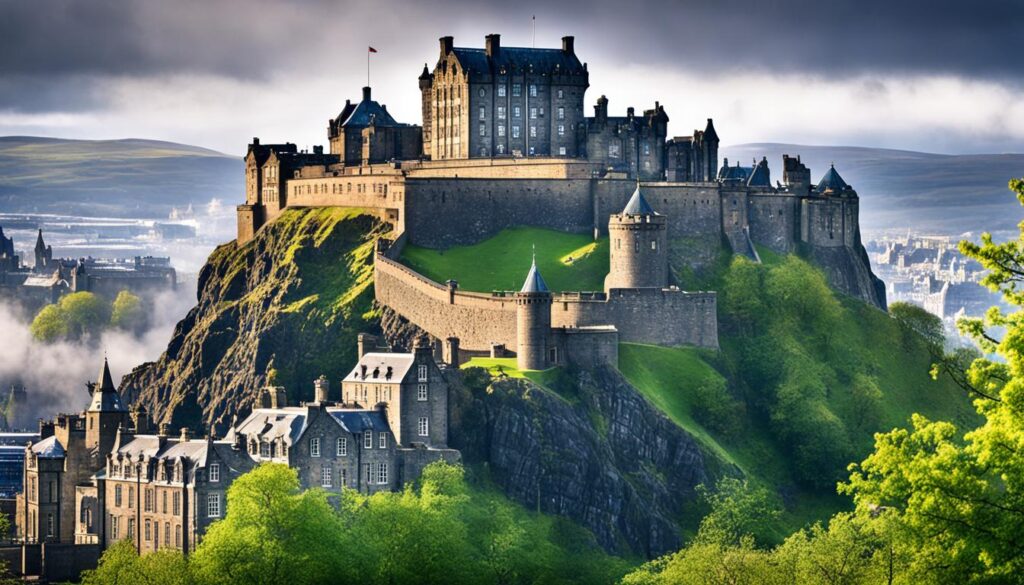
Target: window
[117,495]
[148,531]
[515,132]
[265,450]
[421,392]
[516,111]
[542,112]
[533,113]
[647,149]
[167,534]
[636,245]
[176,503]
[382,440]
[148,500]
[421,373]
[177,535]
[533,132]
[325,476]
[501,112]
[613,150]
[114,527]
[424,427]
[517,90]
[49,525]
[214,476]
[483,129]
[131,496]
[482,92]
[382,474]
[342,477]
[561,150]
[531,151]
[501,133]
[561,129]
[501,91]
[647,165]
[314,447]
[131,528]
[483,112]
[654,245]
[213,505]
[164,501]
[533,90]
[342,447]
[561,94]
[553,355]
[367,474]
[561,113]
[501,147]
[368,440]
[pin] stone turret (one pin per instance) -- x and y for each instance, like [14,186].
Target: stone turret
[44,253]
[105,414]
[639,246]
[533,321]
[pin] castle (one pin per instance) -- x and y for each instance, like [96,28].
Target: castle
[504,142]
[51,278]
[104,475]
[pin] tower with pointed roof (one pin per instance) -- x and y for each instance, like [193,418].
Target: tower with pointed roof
[533,321]
[104,415]
[44,253]
[638,237]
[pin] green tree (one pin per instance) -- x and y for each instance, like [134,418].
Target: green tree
[128,312]
[49,324]
[76,316]
[959,496]
[737,510]
[121,565]
[914,319]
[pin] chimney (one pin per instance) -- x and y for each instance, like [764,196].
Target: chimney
[322,387]
[569,45]
[453,285]
[423,350]
[630,112]
[365,343]
[446,45]
[255,141]
[185,434]
[366,93]
[493,45]
[451,351]
[278,397]
[165,429]
[318,149]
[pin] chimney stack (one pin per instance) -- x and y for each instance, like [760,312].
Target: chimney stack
[568,45]
[366,93]
[493,45]
[165,429]
[322,387]
[446,45]
[185,434]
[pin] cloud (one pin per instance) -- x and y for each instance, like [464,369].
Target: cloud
[54,375]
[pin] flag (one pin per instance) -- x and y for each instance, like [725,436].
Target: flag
[372,50]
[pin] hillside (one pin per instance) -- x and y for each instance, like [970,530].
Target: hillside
[112,178]
[949,194]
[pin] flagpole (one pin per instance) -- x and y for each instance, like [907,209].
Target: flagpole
[367,67]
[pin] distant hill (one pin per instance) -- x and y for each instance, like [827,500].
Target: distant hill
[940,193]
[113,178]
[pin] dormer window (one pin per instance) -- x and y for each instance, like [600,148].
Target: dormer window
[368,440]
[421,373]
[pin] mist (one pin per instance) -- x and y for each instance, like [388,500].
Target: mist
[55,374]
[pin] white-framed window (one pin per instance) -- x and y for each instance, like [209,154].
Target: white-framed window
[561,129]
[517,90]
[654,245]
[532,150]
[501,133]
[326,479]
[561,113]
[501,112]
[561,94]
[424,426]
[533,132]
[342,447]
[533,90]
[533,113]
[214,475]
[421,392]
[265,450]
[483,112]
[213,505]
[501,147]
[421,373]
[561,150]
[367,440]
[501,91]
[382,474]
[516,111]
[483,129]
[131,496]
[382,440]
[314,447]
[515,132]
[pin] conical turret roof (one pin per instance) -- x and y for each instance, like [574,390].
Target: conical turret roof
[40,245]
[637,204]
[832,181]
[709,132]
[534,281]
[104,394]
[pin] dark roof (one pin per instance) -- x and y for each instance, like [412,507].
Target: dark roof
[832,181]
[362,114]
[40,245]
[761,176]
[104,394]
[637,204]
[358,421]
[709,132]
[542,61]
[534,281]
[735,173]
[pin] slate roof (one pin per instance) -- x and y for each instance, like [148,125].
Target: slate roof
[104,395]
[358,421]
[534,281]
[377,365]
[637,204]
[735,173]
[274,423]
[543,61]
[832,181]
[709,132]
[48,448]
[761,176]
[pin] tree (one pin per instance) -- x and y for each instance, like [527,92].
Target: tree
[959,496]
[77,315]
[128,312]
[738,510]
[49,324]
[916,320]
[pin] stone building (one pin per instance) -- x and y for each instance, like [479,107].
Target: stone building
[366,133]
[632,145]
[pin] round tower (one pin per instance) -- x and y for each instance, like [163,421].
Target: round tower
[638,238]
[533,322]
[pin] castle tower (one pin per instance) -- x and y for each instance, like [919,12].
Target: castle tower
[533,321]
[710,170]
[639,246]
[105,414]
[44,253]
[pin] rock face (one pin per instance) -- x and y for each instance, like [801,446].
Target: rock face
[285,307]
[596,451]
[849,271]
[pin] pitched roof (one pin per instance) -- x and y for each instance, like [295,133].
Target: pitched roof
[104,394]
[358,421]
[362,114]
[48,448]
[637,204]
[273,423]
[540,61]
[735,173]
[709,132]
[377,366]
[534,281]
[761,176]
[832,181]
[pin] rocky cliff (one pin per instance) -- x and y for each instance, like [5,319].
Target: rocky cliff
[284,308]
[586,446]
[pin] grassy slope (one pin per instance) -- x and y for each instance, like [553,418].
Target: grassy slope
[870,342]
[501,262]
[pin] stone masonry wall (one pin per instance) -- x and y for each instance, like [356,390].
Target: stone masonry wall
[773,221]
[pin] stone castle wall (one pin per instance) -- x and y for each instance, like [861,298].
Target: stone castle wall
[656,316]
[773,221]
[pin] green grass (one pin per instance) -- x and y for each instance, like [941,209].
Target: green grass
[568,262]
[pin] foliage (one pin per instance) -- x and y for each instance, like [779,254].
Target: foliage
[916,320]
[737,510]
[76,316]
[122,565]
[128,312]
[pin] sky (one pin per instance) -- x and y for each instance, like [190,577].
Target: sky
[937,76]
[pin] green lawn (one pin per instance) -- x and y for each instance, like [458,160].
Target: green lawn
[568,262]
